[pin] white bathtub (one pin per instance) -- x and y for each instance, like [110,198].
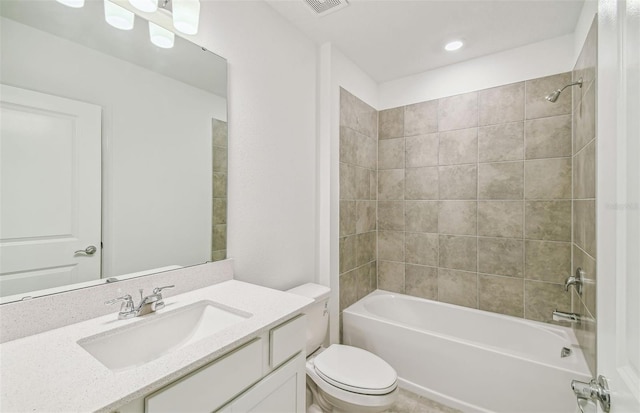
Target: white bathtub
[473,360]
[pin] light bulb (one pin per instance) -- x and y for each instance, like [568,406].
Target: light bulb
[454,45]
[186,15]
[118,16]
[148,6]
[72,3]
[160,36]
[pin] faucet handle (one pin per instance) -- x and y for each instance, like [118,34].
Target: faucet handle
[126,298]
[157,290]
[127,309]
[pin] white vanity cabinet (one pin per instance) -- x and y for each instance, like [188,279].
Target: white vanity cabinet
[266,375]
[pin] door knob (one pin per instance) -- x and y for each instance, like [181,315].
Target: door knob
[90,250]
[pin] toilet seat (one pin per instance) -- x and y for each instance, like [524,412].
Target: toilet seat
[355,370]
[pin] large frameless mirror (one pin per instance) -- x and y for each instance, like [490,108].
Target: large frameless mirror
[112,152]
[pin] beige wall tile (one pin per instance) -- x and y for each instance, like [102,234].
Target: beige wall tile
[373,184]
[458,287]
[362,184]
[348,289]
[542,298]
[584,173]
[365,248]
[421,216]
[584,225]
[421,248]
[363,279]
[500,218]
[357,115]
[585,67]
[458,253]
[547,261]
[588,265]
[421,150]
[366,151]
[458,147]
[365,216]
[504,295]
[347,145]
[548,178]
[458,112]
[391,123]
[220,161]
[501,104]
[501,256]
[391,184]
[536,106]
[548,137]
[458,182]
[421,281]
[347,218]
[219,241]
[548,220]
[391,215]
[391,276]
[219,208]
[421,118]
[503,142]
[391,245]
[391,153]
[584,117]
[219,185]
[504,180]
[347,253]
[587,336]
[347,182]
[421,183]
[220,135]
[457,217]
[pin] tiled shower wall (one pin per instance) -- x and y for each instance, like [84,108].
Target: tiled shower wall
[219,190]
[474,199]
[358,189]
[584,193]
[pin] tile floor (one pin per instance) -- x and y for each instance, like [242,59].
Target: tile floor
[412,403]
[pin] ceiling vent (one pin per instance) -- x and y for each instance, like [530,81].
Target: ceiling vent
[324,7]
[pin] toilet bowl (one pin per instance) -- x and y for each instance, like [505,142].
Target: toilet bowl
[340,378]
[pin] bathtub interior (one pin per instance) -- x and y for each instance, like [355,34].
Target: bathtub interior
[531,340]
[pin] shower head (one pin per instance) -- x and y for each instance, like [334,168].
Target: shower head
[552,97]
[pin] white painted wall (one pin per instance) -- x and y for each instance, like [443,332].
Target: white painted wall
[589,10]
[335,71]
[272,140]
[535,60]
[153,166]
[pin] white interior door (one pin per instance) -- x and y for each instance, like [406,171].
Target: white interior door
[50,188]
[618,212]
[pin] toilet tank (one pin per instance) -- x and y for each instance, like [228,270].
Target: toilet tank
[317,313]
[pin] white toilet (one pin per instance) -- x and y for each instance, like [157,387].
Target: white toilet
[342,378]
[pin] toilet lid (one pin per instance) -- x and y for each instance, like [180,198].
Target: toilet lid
[356,370]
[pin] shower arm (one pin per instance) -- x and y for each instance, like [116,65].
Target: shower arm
[578,82]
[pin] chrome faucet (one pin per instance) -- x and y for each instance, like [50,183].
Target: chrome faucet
[575,280]
[148,304]
[569,317]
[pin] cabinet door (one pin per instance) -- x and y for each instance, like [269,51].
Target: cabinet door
[283,391]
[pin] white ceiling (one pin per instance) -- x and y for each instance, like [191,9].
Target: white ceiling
[390,39]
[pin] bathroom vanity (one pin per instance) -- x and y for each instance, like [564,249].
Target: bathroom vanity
[230,347]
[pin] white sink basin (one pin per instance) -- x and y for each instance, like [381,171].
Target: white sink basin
[160,334]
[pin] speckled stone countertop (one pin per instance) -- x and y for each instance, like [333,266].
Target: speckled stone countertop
[50,372]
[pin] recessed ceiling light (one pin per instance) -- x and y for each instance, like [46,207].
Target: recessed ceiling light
[454,45]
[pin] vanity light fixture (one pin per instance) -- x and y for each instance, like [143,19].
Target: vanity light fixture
[186,15]
[118,16]
[148,6]
[160,36]
[452,46]
[72,3]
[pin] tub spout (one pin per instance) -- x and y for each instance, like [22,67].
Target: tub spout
[562,316]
